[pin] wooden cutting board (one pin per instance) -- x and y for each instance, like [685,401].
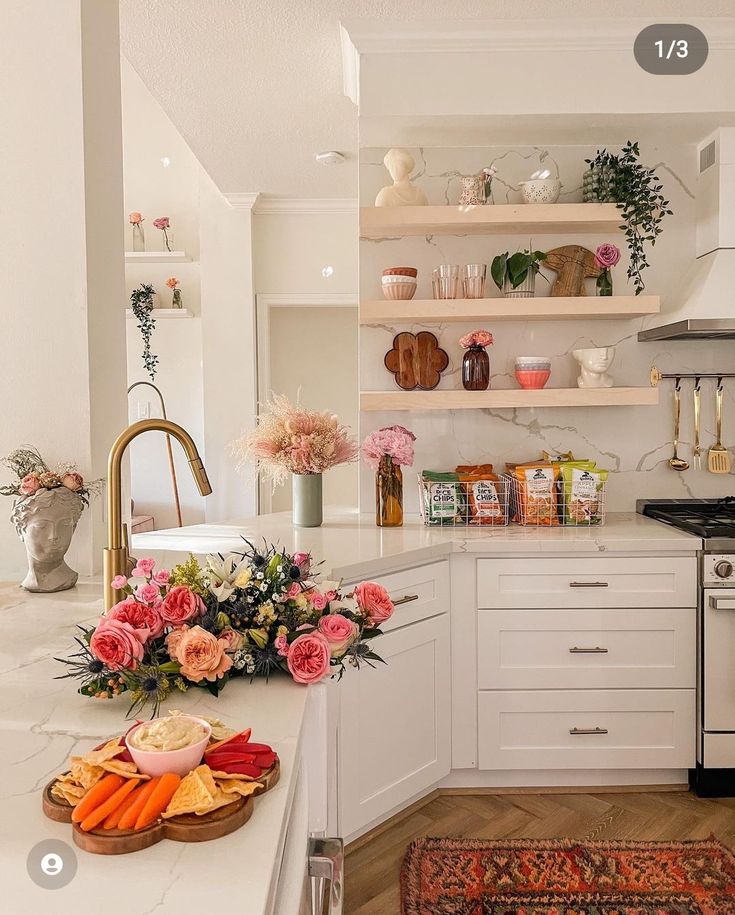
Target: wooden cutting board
[416,361]
[572,264]
[186,828]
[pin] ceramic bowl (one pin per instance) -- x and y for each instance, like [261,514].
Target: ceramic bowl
[158,762]
[541,190]
[533,362]
[532,379]
[401,271]
[399,290]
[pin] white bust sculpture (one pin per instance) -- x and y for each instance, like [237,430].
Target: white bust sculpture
[401,193]
[593,365]
[46,523]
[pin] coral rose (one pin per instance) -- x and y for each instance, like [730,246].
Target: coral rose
[72,480]
[180,605]
[118,644]
[339,632]
[308,657]
[173,639]
[374,603]
[202,655]
[135,218]
[140,616]
[29,485]
[232,639]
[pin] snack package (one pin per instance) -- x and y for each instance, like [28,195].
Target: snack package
[484,494]
[443,498]
[536,494]
[582,494]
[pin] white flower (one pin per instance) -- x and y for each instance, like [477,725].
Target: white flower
[223,574]
[264,586]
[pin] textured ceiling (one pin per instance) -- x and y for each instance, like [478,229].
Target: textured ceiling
[255,86]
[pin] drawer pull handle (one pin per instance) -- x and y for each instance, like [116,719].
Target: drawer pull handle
[595,650]
[721,603]
[577,732]
[589,584]
[406,599]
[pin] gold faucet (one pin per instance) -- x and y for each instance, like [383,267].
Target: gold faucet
[116,554]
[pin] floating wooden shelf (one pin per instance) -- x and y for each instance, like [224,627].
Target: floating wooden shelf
[492,219]
[157,257]
[164,313]
[428,311]
[386,401]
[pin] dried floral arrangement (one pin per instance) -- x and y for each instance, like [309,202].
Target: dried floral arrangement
[34,475]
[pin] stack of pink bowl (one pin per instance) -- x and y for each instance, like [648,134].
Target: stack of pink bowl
[399,282]
[532,372]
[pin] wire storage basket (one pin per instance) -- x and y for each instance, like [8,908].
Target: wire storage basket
[579,502]
[477,501]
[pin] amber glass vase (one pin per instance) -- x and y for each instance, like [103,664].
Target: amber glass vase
[476,369]
[388,494]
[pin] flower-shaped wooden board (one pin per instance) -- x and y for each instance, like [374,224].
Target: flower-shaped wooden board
[416,361]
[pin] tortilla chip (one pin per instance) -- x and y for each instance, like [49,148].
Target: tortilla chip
[192,796]
[125,769]
[220,731]
[205,773]
[85,774]
[220,800]
[234,775]
[96,757]
[67,791]
[239,788]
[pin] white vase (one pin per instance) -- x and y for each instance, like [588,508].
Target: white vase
[526,290]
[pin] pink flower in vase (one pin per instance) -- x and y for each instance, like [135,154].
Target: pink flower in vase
[394,442]
[135,218]
[163,223]
[607,256]
[481,338]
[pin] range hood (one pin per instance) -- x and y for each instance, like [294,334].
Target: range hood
[706,304]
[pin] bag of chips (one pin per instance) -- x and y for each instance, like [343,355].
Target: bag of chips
[582,494]
[443,497]
[536,494]
[484,494]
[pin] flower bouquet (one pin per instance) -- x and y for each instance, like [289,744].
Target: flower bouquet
[606,257]
[385,450]
[245,614]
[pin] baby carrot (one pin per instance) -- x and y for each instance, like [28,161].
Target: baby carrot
[159,799]
[111,804]
[96,795]
[114,818]
[127,820]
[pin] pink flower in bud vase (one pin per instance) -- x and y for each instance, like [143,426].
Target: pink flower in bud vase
[607,256]
[135,218]
[29,485]
[118,583]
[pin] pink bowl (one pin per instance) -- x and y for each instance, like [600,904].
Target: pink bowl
[532,380]
[159,762]
[399,290]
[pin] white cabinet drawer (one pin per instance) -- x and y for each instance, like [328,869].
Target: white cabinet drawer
[587,582]
[417,593]
[595,729]
[586,649]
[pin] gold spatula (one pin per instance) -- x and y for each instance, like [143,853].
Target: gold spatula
[719,459]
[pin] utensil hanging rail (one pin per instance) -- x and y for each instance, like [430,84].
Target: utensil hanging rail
[657,376]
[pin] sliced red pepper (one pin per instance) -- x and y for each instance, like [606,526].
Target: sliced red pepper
[242,736]
[265,760]
[214,759]
[242,769]
[257,748]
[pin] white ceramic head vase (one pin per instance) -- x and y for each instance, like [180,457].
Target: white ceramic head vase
[46,523]
[401,193]
[593,364]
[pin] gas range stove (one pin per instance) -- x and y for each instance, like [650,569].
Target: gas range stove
[711,519]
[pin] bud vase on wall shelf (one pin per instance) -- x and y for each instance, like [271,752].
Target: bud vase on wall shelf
[136,226]
[476,362]
[604,283]
[388,494]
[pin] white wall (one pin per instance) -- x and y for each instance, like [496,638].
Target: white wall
[62,346]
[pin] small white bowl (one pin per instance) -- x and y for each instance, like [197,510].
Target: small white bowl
[159,762]
[541,190]
[397,278]
[533,360]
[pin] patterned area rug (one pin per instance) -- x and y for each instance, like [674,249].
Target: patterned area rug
[566,877]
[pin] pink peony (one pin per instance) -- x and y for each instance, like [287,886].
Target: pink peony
[394,442]
[162,577]
[118,644]
[607,256]
[481,338]
[339,632]
[148,593]
[180,605]
[308,657]
[135,219]
[232,638]
[29,485]
[202,655]
[281,644]
[374,602]
[72,480]
[140,616]
[161,223]
[118,583]
[318,600]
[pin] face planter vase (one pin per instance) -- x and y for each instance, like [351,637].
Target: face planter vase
[593,365]
[46,523]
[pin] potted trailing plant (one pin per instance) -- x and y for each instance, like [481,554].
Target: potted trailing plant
[515,274]
[141,302]
[637,191]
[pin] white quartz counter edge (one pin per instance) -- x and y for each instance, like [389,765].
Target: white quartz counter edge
[352,546]
[43,721]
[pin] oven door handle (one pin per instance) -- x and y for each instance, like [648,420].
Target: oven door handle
[326,860]
[721,603]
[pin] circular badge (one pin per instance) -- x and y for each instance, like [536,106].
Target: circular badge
[51,864]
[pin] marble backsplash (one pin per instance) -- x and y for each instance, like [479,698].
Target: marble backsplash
[632,442]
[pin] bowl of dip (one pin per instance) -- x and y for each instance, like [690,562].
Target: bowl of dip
[172,744]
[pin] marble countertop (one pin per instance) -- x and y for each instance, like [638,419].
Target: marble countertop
[43,721]
[351,545]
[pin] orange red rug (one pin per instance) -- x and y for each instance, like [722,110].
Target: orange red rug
[567,877]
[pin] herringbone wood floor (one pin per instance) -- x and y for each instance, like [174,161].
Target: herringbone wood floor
[372,869]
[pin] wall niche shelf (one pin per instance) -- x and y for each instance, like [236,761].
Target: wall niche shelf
[510,399]
[164,313]
[580,308]
[492,219]
[157,257]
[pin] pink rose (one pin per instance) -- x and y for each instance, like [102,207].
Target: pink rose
[607,256]
[294,590]
[118,583]
[302,561]
[29,484]
[180,605]
[72,480]
[135,218]
[373,601]
[161,223]
[173,639]
[308,657]
[318,600]
[148,593]
[232,639]
[162,577]
[118,644]
[140,616]
[281,644]
[202,655]
[339,632]
[144,568]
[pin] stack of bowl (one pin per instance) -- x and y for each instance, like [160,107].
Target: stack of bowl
[399,282]
[532,372]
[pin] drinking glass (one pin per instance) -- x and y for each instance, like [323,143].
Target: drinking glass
[445,281]
[473,280]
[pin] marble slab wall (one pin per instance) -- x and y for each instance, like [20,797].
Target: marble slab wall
[632,442]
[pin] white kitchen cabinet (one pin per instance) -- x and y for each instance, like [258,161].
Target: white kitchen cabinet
[394,724]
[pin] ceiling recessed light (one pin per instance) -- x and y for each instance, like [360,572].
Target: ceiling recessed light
[330,157]
[327,271]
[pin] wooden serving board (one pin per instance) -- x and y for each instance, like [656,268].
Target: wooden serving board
[186,828]
[572,264]
[416,360]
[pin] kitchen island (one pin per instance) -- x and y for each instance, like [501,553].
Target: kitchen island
[43,721]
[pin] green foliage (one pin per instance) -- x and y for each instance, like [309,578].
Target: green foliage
[515,267]
[141,302]
[637,190]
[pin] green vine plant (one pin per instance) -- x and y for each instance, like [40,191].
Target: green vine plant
[141,301]
[637,191]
